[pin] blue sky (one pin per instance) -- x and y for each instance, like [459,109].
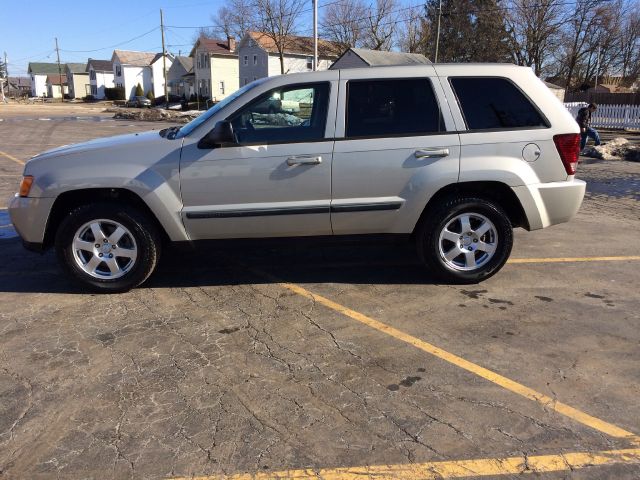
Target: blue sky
[27,31]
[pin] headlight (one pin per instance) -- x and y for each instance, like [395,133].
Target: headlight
[25,186]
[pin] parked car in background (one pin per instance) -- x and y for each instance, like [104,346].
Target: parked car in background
[138,102]
[450,157]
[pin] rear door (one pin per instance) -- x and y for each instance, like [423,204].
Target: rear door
[396,145]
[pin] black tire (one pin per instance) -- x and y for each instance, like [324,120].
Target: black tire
[141,228]
[434,222]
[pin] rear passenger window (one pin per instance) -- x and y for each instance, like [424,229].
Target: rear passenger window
[378,108]
[494,103]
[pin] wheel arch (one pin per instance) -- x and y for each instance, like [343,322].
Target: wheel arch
[71,199]
[498,192]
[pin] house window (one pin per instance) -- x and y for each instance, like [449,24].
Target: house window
[221,88]
[309,63]
[246,59]
[118,71]
[255,59]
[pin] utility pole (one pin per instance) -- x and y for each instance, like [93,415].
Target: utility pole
[59,72]
[164,62]
[435,60]
[315,35]
[2,80]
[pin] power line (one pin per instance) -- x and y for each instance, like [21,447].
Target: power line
[115,45]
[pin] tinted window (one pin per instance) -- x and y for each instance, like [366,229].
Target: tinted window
[494,103]
[392,107]
[283,115]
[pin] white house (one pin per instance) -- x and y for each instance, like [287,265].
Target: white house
[157,73]
[258,56]
[100,76]
[53,82]
[216,67]
[38,73]
[78,79]
[132,68]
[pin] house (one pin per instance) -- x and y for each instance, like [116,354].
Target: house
[157,72]
[18,86]
[216,67]
[78,79]
[362,58]
[100,76]
[131,68]
[258,56]
[38,73]
[557,90]
[53,85]
[180,77]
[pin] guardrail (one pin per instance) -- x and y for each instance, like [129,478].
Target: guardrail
[626,117]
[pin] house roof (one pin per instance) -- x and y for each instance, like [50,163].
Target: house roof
[378,58]
[54,79]
[42,68]
[158,56]
[20,81]
[130,57]
[297,45]
[214,46]
[185,62]
[76,67]
[100,65]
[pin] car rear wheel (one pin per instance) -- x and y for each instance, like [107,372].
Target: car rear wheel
[465,240]
[108,247]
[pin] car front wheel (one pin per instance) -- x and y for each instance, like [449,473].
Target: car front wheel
[108,247]
[465,240]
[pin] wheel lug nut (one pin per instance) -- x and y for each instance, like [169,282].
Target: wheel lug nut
[470,248]
[475,240]
[113,247]
[97,245]
[100,255]
[105,240]
[111,255]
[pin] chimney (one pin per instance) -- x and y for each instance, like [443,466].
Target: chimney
[231,42]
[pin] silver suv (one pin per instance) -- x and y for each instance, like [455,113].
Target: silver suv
[453,156]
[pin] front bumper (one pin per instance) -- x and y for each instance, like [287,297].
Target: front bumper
[547,204]
[29,217]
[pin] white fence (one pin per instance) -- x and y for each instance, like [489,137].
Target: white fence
[610,116]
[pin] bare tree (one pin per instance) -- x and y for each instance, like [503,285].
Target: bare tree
[277,19]
[343,23]
[380,25]
[630,46]
[234,18]
[412,31]
[534,31]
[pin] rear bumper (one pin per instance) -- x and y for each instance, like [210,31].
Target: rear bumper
[29,217]
[547,204]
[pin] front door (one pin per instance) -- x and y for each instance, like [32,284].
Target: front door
[275,181]
[396,145]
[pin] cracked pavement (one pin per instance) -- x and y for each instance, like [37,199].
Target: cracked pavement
[212,368]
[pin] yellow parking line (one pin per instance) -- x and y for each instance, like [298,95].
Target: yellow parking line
[11,157]
[574,259]
[511,385]
[450,469]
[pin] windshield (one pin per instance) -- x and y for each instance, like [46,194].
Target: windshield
[196,122]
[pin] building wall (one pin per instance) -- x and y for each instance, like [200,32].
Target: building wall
[130,78]
[102,80]
[158,75]
[202,69]
[38,85]
[78,84]
[295,64]
[252,71]
[53,91]
[223,69]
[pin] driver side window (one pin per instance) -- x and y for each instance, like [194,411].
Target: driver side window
[291,114]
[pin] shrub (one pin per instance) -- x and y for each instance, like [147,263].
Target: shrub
[139,90]
[116,93]
[151,96]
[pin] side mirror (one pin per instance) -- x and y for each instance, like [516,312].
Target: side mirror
[222,134]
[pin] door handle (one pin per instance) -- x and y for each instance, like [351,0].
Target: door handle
[303,160]
[431,153]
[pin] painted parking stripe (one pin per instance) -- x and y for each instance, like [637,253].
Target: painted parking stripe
[11,157]
[511,385]
[574,259]
[451,469]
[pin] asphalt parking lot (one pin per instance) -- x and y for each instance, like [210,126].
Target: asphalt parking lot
[323,362]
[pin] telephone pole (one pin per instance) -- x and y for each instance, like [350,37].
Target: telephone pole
[2,80]
[59,72]
[435,60]
[315,35]
[164,62]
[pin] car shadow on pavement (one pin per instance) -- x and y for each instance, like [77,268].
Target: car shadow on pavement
[29,272]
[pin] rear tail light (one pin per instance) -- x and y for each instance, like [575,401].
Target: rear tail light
[568,146]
